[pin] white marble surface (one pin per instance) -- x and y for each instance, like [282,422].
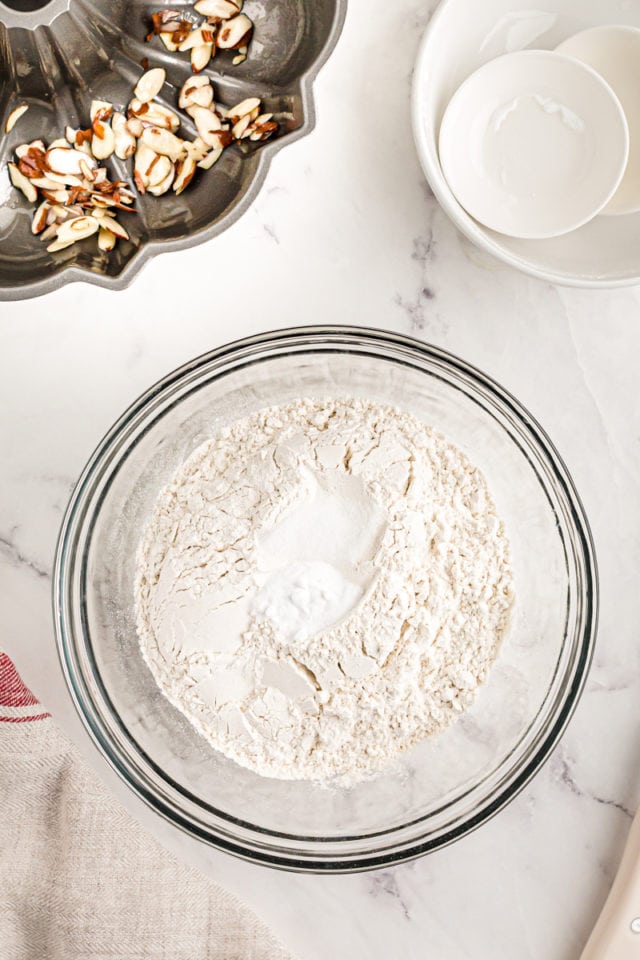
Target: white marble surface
[345,231]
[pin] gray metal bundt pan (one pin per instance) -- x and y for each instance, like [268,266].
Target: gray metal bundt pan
[59,57]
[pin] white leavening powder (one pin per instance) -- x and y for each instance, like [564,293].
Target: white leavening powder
[322,585]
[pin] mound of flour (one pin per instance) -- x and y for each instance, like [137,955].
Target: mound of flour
[322,585]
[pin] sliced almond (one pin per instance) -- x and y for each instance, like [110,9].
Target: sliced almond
[44,183]
[159,171]
[111,224]
[63,160]
[150,84]
[158,187]
[163,142]
[184,175]
[124,141]
[212,157]
[198,37]
[144,159]
[64,180]
[77,229]
[100,110]
[196,91]
[103,146]
[234,33]
[40,217]
[160,116]
[207,123]
[57,196]
[59,245]
[14,116]
[60,142]
[106,240]
[240,127]
[244,109]
[240,57]
[22,183]
[218,9]
[200,57]
[197,149]
[135,127]
[170,44]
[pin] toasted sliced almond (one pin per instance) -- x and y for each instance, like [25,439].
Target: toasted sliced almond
[184,175]
[234,33]
[106,240]
[78,228]
[14,116]
[22,183]
[39,219]
[212,157]
[196,91]
[200,56]
[240,57]
[150,84]
[103,146]
[218,9]
[163,142]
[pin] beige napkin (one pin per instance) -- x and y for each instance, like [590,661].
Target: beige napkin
[81,880]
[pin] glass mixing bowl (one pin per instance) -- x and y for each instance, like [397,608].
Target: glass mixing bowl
[445,786]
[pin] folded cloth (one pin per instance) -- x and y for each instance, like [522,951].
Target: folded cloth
[80,879]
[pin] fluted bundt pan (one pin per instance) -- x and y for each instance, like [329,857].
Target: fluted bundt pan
[58,56]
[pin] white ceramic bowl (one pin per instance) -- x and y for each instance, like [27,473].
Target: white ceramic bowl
[534,144]
[614,52]
[462,36]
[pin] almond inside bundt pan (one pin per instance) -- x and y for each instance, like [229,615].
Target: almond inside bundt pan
[57,57]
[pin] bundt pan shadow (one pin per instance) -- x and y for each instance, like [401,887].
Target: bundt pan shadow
[58,56]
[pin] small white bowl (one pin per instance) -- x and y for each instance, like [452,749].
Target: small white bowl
[614,52]
[463,35]
[534,144]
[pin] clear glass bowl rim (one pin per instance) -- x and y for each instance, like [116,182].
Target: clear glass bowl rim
[252,349]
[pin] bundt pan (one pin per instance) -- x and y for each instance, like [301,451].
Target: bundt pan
[58,56]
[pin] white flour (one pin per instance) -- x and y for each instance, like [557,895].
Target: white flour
[322,585]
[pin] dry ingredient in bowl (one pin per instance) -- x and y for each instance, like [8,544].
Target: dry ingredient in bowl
[322,585]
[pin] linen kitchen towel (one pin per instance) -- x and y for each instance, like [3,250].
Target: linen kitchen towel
[79,878]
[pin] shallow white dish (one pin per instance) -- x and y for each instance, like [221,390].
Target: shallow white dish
[534,144]
[614,52]
[464,34]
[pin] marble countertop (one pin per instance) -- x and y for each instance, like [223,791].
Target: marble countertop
[345,230]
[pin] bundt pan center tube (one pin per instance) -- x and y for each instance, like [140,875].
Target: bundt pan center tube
[57,57]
